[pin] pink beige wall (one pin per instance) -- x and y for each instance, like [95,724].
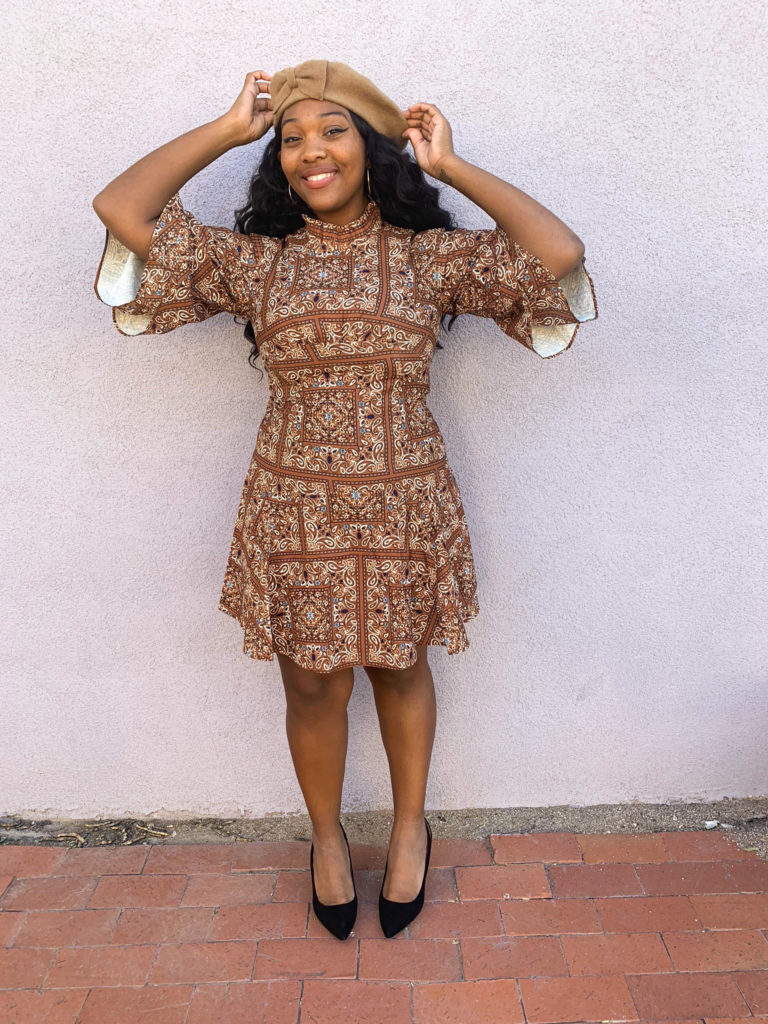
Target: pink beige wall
[616,494]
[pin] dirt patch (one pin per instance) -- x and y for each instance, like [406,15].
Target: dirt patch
[744,820]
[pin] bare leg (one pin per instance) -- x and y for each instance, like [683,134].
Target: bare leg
[316,725]
[407,710]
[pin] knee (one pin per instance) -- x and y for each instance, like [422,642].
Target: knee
[393,680]
[307,690]
[405,678]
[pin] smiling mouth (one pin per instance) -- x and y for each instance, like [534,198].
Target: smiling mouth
[318,180]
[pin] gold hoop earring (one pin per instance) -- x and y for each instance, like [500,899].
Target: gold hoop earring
[368,179]
[292,198]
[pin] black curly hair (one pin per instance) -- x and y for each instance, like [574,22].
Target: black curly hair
[397,186]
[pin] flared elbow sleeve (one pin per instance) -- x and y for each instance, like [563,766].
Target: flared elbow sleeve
[192,272]
[488,274]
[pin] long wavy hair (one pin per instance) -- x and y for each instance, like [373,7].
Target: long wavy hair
[397,186]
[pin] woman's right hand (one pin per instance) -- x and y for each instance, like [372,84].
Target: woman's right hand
[251,113]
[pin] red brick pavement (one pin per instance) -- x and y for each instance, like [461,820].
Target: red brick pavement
[544,928]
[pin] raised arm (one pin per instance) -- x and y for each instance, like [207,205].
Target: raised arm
[530,224]
[130,205]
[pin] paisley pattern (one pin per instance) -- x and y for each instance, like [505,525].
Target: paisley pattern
[350,544]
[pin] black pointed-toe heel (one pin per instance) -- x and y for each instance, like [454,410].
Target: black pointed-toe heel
[338,918]
[395,915]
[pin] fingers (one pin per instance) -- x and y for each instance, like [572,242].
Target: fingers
[421,110]
[424,116]
[261,78]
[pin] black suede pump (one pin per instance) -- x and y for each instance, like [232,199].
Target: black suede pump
[338,918]
[395,915]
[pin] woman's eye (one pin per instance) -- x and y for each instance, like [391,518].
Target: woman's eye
[291,138]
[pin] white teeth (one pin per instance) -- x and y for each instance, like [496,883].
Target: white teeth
[319,177]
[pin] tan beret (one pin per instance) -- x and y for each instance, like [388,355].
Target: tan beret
[332,80]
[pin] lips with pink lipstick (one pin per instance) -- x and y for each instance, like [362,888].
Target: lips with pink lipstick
[320,177]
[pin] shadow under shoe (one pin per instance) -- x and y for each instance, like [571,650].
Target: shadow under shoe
[338,918]
[395,915]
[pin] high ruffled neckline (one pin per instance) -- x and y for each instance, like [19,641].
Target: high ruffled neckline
[368,221]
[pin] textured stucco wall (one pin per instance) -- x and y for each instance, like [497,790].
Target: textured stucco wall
[616,494]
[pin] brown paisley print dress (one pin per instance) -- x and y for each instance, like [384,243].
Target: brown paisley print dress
[350,544]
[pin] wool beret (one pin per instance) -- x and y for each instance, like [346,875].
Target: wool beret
[332,80]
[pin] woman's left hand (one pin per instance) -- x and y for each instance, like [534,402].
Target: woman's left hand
[430,135]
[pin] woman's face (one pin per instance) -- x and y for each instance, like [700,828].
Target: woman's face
[319,136]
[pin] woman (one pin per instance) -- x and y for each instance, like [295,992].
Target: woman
[351,545]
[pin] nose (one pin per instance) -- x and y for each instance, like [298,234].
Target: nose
[313,147]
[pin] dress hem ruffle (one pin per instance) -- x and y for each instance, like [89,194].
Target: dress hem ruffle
[259,648]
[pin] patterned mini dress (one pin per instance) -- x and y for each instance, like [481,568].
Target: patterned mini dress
[350,544]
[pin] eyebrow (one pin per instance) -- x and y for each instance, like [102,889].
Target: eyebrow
[328,113]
